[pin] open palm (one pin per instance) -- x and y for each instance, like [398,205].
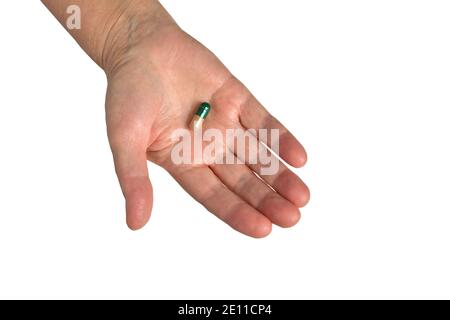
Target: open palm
[154,90]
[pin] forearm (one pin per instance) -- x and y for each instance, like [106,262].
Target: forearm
[108,26]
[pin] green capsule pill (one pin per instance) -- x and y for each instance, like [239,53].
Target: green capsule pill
[200,115]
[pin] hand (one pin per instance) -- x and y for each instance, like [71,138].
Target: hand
[156,80]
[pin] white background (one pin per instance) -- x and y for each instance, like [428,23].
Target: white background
[363,84]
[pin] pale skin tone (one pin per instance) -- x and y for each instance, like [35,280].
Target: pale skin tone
[157,76]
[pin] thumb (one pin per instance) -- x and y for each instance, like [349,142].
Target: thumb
[131,168]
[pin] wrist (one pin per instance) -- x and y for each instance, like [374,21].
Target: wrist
[111,28]
[133,22]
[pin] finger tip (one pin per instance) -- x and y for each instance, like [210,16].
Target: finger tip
[262,230]
[293,152]
[297,162]
[291,219]
[291,187]
[250,222]
[137,220]
[135,226]
[138,213]
[302,197]
[139,203]
[300,160]
[280,211]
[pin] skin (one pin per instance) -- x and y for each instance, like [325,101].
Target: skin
[157,77]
